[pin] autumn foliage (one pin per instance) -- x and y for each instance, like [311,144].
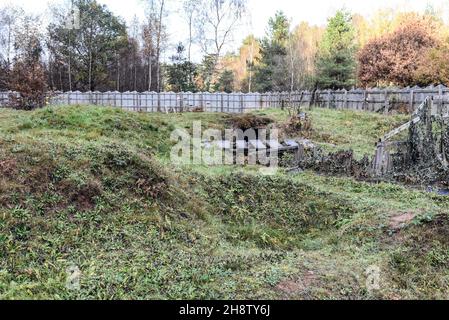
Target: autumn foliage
[393,59]
[29,83]
[434,69]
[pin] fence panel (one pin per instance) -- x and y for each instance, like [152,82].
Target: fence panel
[355,99]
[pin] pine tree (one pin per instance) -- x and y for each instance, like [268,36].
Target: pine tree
[225,82]
[336,58]
[272,71]
[181,72]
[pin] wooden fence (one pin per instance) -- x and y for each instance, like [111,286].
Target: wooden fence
[379,100]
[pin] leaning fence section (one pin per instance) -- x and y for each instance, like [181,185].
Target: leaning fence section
[378,100]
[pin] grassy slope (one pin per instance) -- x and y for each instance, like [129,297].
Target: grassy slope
[91,187]
[343,130]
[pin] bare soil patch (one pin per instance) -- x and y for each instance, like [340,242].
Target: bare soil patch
[298,286]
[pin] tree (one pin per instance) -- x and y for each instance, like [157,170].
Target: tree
[4,75]
[134,52]
[10,19]
[434,68]
[393,59]
[215,26]
[180,72]
[336,61]
[205,79]
[191,10]
[154,36]
[225,82]
[28,77]
[242,64]
[305,41]
[129,67]
[91,51]
[271,73]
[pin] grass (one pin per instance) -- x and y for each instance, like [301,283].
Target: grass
[93,188]
[345,129]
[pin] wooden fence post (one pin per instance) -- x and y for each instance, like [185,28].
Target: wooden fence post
[181,102]
[345,106]
[412,101]
[382,159]
[365,100]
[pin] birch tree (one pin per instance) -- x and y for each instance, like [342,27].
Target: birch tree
[191,12]
[216,24]
[155,39]
[9,20]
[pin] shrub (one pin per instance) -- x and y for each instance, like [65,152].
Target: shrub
[394,58]
[29,86]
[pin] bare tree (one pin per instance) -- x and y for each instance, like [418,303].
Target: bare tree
[148,39]
[61,14]
[135,36]
[216,24]
[154,36]
[292,62]
[28,76]
[191,11]
[159,42]
[9,20]
[304,41]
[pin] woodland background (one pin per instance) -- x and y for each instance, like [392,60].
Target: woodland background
[388,49]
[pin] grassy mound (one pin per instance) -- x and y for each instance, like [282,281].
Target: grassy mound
[90,187]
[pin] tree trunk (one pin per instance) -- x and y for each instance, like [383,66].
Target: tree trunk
[118,73]
[158,47]
[150,71]
[70,64]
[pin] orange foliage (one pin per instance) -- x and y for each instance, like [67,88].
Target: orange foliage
[434,69]
[394,58]
[242,63]
[28,79]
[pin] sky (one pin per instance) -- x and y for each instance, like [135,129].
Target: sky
[313,11]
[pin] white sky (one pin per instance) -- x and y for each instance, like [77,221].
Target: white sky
[312,11]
